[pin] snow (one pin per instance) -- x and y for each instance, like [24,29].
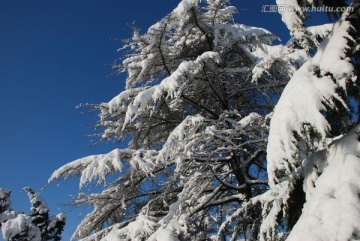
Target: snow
[175,222]
[41,208]
[54,220]
[332,210]
[249,119]
[61,216]
[5,203]
[7,215]
[163,235]
[20,225]
[183,8]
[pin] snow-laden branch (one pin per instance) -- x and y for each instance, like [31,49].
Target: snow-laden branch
[268,56]
[176,143]
[293,17]
[168,87]
[140,228]
[225,34]
[99,166]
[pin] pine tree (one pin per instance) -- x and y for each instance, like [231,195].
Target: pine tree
[50,227]
[39,211]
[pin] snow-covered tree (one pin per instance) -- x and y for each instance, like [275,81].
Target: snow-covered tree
[50,227]
[15,226]
[208,156]
[37,226]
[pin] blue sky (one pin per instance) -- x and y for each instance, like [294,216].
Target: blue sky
[54,55]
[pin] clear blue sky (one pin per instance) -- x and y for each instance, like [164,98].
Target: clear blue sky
[54,55]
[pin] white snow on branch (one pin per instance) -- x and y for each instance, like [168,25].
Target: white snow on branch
[175,144]
[272,202]
[331,55]
[7,215]
[168,86]
[38,205]
[226,35]
[99,166]
[320,30]
[267,55]
[20,225]
[249,119]
[314,34]
[119,101]
[137,230]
